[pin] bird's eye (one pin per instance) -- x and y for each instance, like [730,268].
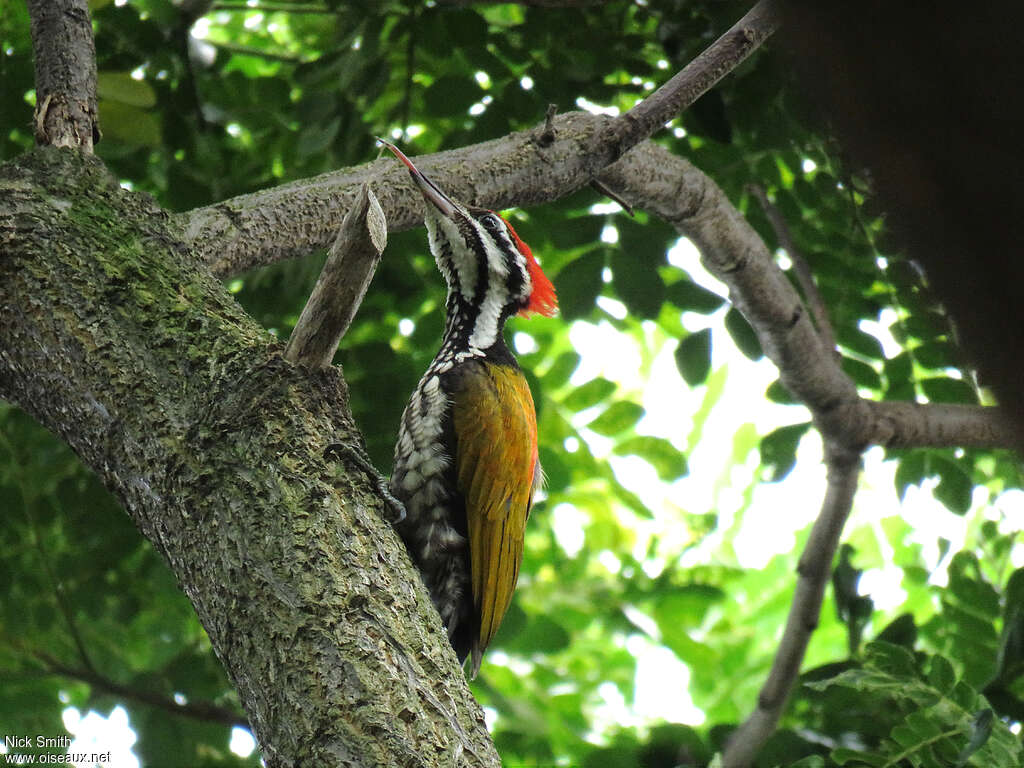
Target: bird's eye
[491,222]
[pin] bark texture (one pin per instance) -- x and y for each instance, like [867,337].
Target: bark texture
[116,337]
[66,113]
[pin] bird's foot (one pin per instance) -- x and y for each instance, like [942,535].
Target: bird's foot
[357,456]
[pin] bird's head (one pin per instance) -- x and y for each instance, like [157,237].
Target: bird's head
[480,255]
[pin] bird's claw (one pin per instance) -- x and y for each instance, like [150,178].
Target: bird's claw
[356,455]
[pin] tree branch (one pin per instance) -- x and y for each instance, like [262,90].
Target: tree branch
[528,3]
[343,281]
[812,295]
[512,172]
[245,50]
[692,81]
[198,710]
[295,219]
[732,251]
[224,5]
[935,425]
[65,57]
[813,574]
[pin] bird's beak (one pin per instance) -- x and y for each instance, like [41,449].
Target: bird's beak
[429,189]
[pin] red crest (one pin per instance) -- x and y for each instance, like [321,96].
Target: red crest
[542,300]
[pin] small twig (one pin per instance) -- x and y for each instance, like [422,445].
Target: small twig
[199,710]
[600,187]
[343,281]
[813,574]
[527,3]
[812,295]
[191,11]
[273,7]
[410,70]
[65,67]
[244,50]
[547,134]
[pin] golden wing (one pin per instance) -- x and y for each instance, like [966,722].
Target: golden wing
[496,463]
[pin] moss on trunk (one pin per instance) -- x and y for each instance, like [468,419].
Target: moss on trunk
[117,338]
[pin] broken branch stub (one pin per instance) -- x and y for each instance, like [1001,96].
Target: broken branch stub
[351,262]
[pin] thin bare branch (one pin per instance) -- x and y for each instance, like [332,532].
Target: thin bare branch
[259,53]
[693,80]
[313,8]
[600,187]
[733,252]
[812,296]
[198,710]
[813,574]
[343,281]
[528,3]
[66,113]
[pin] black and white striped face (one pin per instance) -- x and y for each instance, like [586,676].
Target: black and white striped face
[490,272]
[482,263]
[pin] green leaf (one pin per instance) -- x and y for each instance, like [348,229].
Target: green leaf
[690,297]
[898,369]
[542,634]
[579,283]
[561,370]
[941,676]
[575,231]
[845,756]
[891,659]
[955,488]
[863,375]
[687,606]
[669,462]
[935,354]
[693,357]
[123,88]
[1011,651]
[589,394]
[900,631]
[617,418]
[451,95]
[943,390]
[814,761]
[744,336]
[778,449]
[128,124]
[981,729]
[556,472]
[637,283]
[860,342]
[778,393]
[910,471]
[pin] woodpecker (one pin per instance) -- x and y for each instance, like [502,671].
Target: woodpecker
[466,465]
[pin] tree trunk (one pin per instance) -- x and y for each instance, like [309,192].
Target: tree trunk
[117,338]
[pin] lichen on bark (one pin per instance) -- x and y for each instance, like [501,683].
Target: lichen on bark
[114,335]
